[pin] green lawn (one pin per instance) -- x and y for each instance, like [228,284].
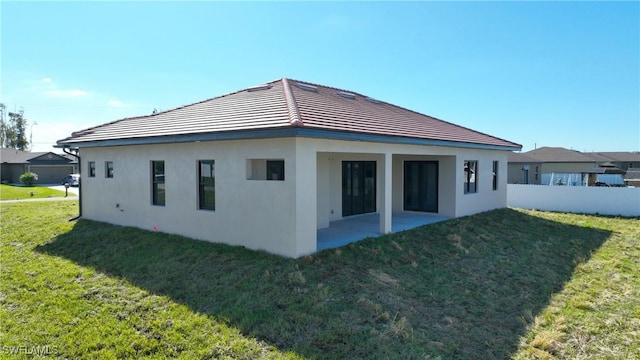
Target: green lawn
[502,284]
[11,192]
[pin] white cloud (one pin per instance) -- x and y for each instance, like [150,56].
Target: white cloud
[50,88]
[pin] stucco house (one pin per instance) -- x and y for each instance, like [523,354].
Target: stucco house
[523,169]
[270,166]
[49,166]
[547,165]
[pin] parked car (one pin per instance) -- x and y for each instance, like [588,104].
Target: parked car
[71,179]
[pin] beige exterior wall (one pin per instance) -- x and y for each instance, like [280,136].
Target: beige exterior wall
[516,173]
[257,214]
[451,198]
[281,217]
[485,198]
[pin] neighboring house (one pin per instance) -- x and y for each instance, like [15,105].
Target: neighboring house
[268,166]
[523,169]
[555,164]
[620,159]
[50,167]
[632,177]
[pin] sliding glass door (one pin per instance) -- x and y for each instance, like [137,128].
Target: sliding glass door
[358,187]
[421,186]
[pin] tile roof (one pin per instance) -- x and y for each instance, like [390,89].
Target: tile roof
[286,103]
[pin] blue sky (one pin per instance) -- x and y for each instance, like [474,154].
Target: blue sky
[536,73]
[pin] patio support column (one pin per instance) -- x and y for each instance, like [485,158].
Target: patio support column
[386,207]
[306,219]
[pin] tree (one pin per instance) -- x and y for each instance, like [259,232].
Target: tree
[3,126]
[13,133]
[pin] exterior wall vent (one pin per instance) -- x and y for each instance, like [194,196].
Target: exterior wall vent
[346,95]
[307,87]
[259,87]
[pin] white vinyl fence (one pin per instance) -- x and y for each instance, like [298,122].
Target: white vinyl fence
[576,199]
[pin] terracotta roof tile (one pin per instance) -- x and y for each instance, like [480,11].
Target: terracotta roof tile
[288,103]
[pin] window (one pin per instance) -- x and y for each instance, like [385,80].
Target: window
[275,169]
[495,175]
[92,169]
[470,179]
[525,174]
[108,169]
[158,188]
[206,185]
[263,169]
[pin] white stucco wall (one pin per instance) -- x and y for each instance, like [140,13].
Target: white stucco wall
[576,199]
[258,214]
[485,198]
[451,198]
[281,217]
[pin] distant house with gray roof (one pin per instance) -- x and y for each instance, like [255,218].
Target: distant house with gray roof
[632,177]
[270,166]
[559,162]
[49,166]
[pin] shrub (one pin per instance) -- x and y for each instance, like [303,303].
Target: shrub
[28,178]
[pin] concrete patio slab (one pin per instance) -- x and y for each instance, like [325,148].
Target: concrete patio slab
[355,228]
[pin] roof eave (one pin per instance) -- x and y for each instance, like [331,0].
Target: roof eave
[282,132]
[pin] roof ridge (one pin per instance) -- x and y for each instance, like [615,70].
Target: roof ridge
[333,88]
[292,106]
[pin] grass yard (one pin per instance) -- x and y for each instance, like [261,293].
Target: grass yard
[502,284]
[11,192]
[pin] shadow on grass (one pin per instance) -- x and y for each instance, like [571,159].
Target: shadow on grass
[465,288]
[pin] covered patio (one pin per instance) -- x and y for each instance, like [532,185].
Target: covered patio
[355,228]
